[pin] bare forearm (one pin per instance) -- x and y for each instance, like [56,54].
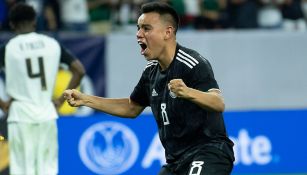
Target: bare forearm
[122,107]
[78,72]
[207,100]
[211,100]
[4,105]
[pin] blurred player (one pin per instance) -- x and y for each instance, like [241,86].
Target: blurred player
[31,63]
[179,86]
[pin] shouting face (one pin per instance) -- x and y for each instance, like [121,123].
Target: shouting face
[151,35]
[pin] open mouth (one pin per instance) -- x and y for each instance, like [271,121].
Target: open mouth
[143,47]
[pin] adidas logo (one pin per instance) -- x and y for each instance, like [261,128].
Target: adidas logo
[154,93]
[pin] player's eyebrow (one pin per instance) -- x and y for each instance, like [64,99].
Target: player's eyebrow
[143,25]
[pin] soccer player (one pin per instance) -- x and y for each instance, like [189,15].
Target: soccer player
[31,63]
[179,86]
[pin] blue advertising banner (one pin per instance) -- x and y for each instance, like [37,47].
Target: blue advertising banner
[269,141]
[265,142]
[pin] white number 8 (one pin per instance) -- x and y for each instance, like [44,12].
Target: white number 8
[164,114]
[196,165]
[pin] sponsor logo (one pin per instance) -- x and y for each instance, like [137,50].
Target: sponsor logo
[108,148]
[155,152]
[250,151]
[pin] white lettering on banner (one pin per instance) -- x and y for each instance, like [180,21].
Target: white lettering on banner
[155,152]
[113,158]
[249,151]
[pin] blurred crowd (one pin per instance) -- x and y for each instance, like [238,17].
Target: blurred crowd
[103,16]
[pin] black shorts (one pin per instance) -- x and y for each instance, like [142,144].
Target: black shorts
[207,161]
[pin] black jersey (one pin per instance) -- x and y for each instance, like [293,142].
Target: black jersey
[182,124]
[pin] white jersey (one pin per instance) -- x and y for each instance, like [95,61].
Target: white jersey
[31,65]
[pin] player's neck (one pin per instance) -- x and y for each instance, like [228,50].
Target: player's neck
[167,58]
[24,30]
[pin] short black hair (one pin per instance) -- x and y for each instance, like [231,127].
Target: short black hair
[21,12]
[162,9]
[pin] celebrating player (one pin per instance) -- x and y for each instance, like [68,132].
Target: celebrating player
[179,86]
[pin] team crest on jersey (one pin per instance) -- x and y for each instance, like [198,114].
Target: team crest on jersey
[172,94]
[154,93]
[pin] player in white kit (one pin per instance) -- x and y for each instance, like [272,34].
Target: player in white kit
[31,61]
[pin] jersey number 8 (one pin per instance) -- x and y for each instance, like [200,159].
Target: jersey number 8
[164,114]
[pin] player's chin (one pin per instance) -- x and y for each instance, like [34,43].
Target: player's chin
[149,57]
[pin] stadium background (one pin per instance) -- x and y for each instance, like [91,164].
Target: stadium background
[263,78]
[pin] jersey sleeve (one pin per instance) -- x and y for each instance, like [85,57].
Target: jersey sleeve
[203,78]
[140,92]
[2,54]
[66,56]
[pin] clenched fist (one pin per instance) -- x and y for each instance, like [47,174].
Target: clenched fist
[179,88]
[74,97]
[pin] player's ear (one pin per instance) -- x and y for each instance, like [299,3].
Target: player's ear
[169,32]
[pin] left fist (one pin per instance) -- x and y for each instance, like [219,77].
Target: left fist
[178,87]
